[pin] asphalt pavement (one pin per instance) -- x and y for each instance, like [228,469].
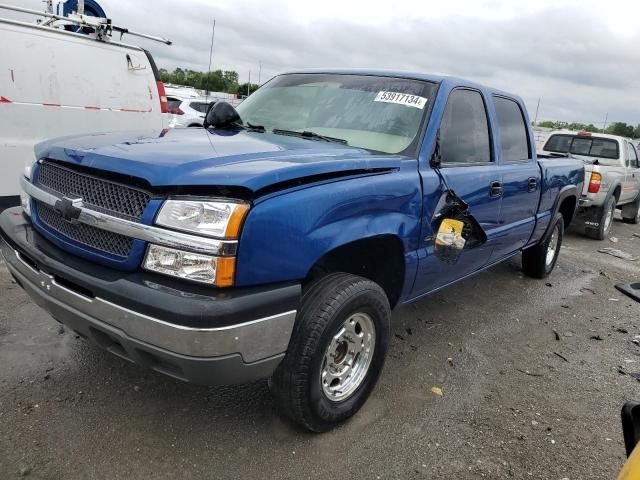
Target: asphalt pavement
[533,374]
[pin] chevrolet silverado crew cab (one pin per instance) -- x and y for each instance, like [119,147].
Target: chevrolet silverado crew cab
[613,174]
[274,242]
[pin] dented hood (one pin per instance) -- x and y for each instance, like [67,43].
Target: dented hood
[199,157]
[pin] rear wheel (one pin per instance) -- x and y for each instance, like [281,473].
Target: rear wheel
[631,212]
[539,260]
[604,221]
[336,352]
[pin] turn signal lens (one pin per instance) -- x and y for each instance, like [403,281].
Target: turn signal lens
[594,183]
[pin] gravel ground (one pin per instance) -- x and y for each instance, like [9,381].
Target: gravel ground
[529,371]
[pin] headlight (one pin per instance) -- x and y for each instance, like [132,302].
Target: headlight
[190,266]
[220,219]
[28,170]
[25,200]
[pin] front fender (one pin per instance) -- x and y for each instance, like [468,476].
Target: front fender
[286,234]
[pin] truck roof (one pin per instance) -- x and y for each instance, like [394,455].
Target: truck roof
[441,79]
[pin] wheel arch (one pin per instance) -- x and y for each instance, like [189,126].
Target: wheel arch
[567,204]
[379,258]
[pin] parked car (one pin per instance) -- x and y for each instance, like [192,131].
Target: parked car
[276,242]
[57,83]
[613,174]
[187,112]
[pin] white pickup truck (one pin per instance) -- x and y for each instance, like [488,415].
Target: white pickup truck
[612,177]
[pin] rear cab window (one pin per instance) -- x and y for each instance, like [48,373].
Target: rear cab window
[514,137]
[585,145]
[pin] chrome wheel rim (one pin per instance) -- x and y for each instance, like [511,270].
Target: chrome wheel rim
[608,218]
[552,247]
[348,357]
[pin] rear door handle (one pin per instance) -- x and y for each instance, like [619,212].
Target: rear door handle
[532,184]
[495,189]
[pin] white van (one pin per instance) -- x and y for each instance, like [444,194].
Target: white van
[55,83]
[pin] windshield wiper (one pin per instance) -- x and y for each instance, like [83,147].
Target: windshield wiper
[249,127]
[309,135]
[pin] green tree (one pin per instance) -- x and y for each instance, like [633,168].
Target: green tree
[216,81]
[246,88]
[636,132]
[546,124]
[620,128]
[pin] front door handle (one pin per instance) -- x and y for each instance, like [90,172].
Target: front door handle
[532,184]
[495,189]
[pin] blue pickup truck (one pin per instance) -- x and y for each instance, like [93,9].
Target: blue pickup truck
[275,242]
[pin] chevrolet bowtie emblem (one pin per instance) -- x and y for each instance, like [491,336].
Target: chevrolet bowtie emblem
[69,208]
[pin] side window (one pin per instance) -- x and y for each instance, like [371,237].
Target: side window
[513,130]
[632,156]
[173,102]
[464,131]
[199,106]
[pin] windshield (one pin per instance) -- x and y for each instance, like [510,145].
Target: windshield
[582,145]
[383,114]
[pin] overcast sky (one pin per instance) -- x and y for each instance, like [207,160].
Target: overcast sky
[581,57]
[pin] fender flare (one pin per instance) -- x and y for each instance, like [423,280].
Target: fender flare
[564,193]
[612,189]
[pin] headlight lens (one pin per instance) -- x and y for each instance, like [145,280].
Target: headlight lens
[28,170]
[25,200]
[218,219]
[190,266]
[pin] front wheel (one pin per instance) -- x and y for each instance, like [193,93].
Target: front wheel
[336,352]
[539,260]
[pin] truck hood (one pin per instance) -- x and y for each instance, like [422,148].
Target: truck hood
[200,157]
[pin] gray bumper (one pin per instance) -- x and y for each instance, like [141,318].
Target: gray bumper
[235,353]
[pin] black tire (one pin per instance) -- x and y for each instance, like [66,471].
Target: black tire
[297,383]
[603,229]
[534,259]
[631,212]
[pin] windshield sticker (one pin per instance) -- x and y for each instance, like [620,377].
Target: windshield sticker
[414,101]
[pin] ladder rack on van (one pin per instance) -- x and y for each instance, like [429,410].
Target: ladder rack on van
[102,27]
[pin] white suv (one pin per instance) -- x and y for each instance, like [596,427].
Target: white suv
[187,112]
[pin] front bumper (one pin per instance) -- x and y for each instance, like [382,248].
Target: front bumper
[193,333]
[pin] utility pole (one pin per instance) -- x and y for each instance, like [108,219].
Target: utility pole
[249,83]
[604,125]
[535,121]
[259,72]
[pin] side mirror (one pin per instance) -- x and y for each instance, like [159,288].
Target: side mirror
[457,229]
[221,114]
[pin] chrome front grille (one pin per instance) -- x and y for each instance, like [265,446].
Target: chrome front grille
[93,237]
[97,193]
